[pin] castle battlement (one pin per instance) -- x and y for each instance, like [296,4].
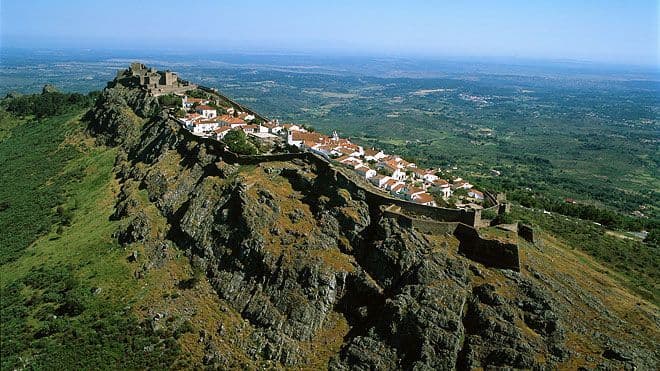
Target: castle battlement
[153,81]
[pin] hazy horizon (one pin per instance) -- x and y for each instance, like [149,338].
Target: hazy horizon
[607,32]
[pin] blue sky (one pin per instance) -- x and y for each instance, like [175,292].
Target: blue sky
[613,31]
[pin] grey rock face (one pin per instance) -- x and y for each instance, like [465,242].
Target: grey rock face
[408,303]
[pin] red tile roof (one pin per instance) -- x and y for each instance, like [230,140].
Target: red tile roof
[398,187]
[424,198]
[370,152]
[413,190]
[231,119]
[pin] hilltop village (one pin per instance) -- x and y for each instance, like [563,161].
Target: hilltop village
[206,113]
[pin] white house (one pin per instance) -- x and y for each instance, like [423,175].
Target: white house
[187,102]
[248,129]
[202,127]
[446,192]
[475,194]
[373,155]
[207,111]
[398,188]
[322,149]
[189,119]
[425,199]
[379,180]
[430,176]
[365,171]
[350,161]
[263,129]
[389,184]
[413,192]
[443,186]
[399,174]
[290,140]
[293,127]
[458,184]
[221,132]
[276,129]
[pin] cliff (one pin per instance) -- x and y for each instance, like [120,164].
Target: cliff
[320,277]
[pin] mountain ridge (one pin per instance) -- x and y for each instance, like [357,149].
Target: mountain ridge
[291,252]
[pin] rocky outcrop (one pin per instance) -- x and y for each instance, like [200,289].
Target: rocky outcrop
[294,253]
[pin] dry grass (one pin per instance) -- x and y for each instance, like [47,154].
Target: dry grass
[609,308]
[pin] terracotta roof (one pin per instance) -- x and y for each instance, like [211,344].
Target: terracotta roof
[424,198]
[222,129]
[231,119]
[392,164]
[313,137]
[413,190]
[476,192]
[204,122]
[205,108]
[370,152]
[193,116]
[323,147]
[390,183]
[346,159]
[346,151]
[398,187]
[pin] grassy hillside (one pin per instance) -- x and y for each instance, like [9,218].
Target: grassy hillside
[59,295]
[32,181]
[631,261]
[69,297]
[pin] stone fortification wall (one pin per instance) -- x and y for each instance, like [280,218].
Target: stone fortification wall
[422,225]
[526,232]
[489,252]
[493,253]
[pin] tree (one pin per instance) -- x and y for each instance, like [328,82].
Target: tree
[169,100]
[653,238]
[308,127]
[384,171]
[238,142]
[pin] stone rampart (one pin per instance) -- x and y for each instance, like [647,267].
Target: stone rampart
[493,253]
[526,232]
[490,252]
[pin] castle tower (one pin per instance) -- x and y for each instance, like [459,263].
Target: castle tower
[335,136]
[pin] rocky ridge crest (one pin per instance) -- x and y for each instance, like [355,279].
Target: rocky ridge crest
[313,269]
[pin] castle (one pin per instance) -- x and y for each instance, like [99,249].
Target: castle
[155,82]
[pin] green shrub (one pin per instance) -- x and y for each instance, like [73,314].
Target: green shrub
[32,182]
[238,142]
